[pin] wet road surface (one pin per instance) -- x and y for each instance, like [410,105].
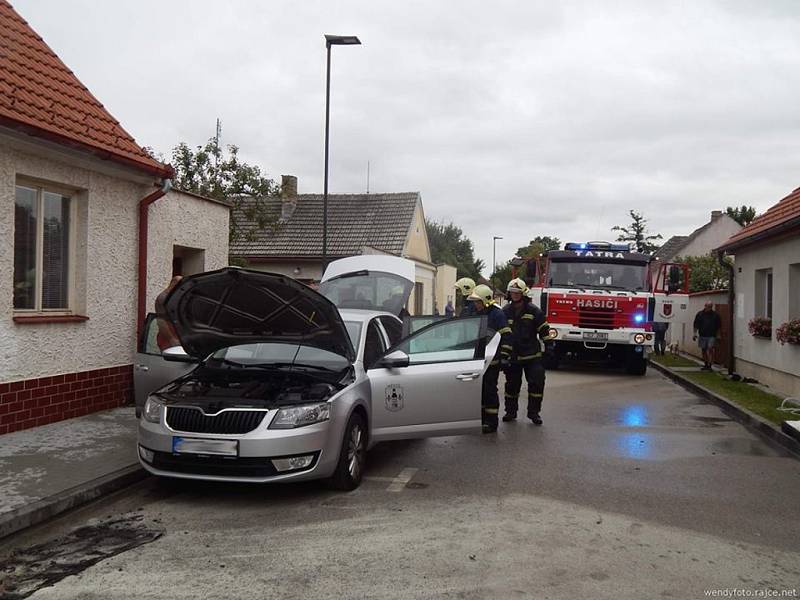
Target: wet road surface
[632,488]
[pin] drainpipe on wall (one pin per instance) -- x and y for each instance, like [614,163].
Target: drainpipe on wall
[731,320]
[144,204]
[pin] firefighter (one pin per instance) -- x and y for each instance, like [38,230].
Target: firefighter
[483,300]
[529,331]
[465,285]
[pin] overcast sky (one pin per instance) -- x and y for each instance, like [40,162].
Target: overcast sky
[512,118]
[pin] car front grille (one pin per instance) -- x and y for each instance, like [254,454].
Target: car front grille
[181,418]
[220,466]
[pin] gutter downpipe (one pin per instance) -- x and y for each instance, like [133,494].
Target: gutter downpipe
[731,320]
[144,204]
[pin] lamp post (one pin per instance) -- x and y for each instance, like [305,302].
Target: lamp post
[494,256]
[330,40]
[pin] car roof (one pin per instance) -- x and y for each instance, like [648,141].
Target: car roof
[354,314]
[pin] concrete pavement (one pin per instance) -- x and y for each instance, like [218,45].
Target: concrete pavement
[47,470]
[633,488]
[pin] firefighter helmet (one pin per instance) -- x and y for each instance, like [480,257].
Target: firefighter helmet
[483,293]
[465,285]
[517,285]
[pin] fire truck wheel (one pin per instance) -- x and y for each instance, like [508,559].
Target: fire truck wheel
[637,365]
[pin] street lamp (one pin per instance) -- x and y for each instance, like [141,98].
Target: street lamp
[330,40]
[494,256]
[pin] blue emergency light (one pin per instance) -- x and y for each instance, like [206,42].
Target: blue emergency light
[597,246]
[638,317]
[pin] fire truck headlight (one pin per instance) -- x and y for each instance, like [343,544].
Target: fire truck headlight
[552,334]
[638,317]
[638,338]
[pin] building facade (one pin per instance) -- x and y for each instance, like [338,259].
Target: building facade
[767,285]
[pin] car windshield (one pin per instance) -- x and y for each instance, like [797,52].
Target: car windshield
[281,356]
[618,275]
[368,290]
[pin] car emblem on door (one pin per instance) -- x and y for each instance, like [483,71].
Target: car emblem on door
[394,398]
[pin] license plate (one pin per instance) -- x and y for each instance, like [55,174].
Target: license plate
[595,336]
[182,445]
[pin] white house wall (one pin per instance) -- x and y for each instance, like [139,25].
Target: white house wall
[106,255]
[180,219]
[767,360]
[718,232]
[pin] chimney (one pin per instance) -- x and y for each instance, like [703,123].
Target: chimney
[288,186]
[288,196]
[715,214]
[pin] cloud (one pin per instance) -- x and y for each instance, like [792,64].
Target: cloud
[512,119]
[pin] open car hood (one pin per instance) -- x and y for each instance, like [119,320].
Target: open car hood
[234,306]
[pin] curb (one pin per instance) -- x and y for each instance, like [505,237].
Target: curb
[769,433]
[46,508]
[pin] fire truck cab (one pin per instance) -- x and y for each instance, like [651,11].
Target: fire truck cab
[601,299]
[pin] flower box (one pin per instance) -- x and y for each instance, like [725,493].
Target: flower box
[789,333]
[760,327]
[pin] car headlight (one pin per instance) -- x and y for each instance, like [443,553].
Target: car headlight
[298,416]
[638,338]
[152,409]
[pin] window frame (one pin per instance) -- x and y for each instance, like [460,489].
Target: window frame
[40,188]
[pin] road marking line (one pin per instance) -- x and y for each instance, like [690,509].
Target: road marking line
[380,479]
[401,480]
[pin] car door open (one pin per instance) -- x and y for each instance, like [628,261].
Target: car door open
[429,384]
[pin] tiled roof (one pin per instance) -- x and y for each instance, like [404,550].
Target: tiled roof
[354,221]
[671,247]
[40,96]
[783,213]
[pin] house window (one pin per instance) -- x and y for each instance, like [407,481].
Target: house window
[418,297]
[794,291]
[763,291]
[43,225]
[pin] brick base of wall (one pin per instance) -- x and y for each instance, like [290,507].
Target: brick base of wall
[35,402]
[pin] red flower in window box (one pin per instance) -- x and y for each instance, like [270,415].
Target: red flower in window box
[760,327]
[789,332]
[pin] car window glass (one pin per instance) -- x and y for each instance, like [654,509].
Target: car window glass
[354,331]
[394,329]
[373,345]
[452,340]
[265,353]
[417,322]
[368,290]
[149,344]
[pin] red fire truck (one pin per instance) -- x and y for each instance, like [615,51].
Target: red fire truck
[601,300]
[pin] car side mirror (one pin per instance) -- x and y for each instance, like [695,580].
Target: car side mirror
[396,360]
[177,354]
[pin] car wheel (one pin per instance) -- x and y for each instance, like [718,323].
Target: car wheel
[637,366]
[352,457]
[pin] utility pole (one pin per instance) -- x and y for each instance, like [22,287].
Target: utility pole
[217,135]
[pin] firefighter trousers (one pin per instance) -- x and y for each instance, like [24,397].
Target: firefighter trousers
[490,401]
[534,376]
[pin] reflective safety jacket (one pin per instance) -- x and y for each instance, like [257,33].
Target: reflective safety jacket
[496,319]
[528,327]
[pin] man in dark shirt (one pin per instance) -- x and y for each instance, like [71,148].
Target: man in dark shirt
[707,325]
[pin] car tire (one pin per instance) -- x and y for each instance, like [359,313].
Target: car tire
[352,457]
[636,366]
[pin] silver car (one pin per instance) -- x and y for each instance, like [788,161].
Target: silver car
[288,386]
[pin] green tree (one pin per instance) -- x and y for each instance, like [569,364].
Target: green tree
[449,245]
[743,215]
[216,173]
[636,233]
[705,273]
[538,245]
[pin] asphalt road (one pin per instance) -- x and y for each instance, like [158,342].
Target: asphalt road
[633,488]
